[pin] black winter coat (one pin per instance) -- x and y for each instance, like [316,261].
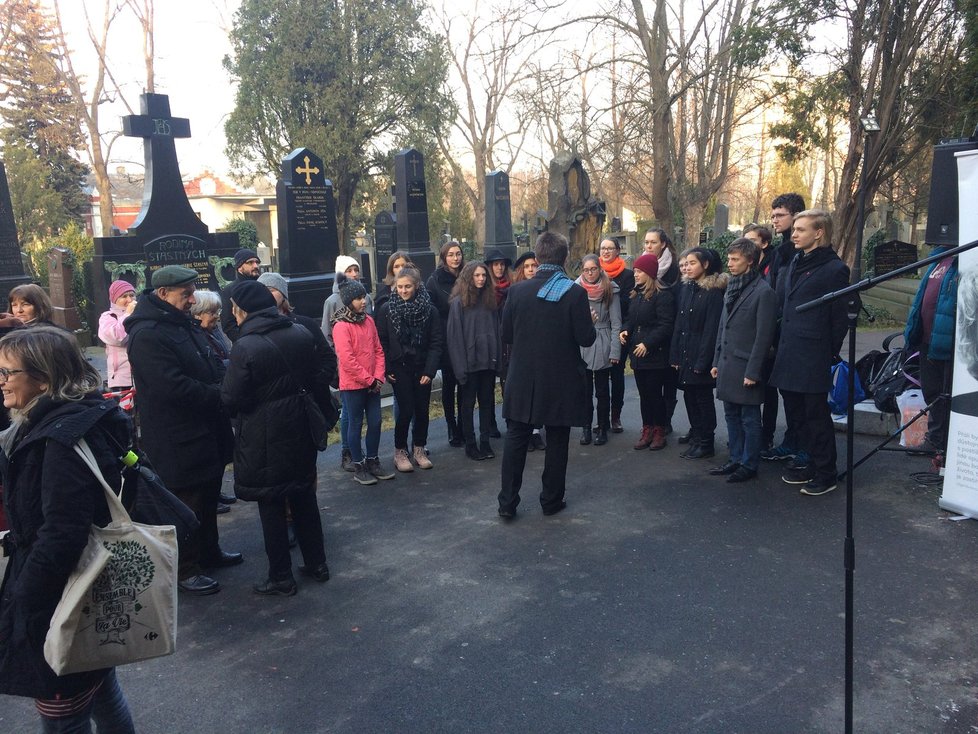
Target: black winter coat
[440,284]
[810,340]
[177,376]
[546,384]
[650,322]
[427,356]
[274,453]
[626,284]
[326,366]
[694,337]
[51,499]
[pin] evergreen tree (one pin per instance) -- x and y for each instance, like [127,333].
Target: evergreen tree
[38,122]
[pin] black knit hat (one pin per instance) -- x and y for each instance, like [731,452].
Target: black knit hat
[251,296]
[351,290]
[244,255]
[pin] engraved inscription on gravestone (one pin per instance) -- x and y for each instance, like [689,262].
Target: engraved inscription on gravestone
[185,250]
[889,256]
[413,234]
[385,241]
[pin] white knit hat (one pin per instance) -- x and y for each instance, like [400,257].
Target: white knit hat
[344,262]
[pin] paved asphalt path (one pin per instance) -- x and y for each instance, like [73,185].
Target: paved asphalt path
[661,600]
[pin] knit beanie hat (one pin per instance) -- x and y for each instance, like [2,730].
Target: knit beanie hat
[244,255]
[344,262]
[251,296]
[119,288]
[351,290]
[648,264]
[276,281]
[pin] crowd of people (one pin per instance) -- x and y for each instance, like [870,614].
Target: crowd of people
[238,376]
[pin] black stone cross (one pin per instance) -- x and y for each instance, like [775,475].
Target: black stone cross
[165,203]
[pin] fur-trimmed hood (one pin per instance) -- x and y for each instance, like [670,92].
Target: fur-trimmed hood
[716,281]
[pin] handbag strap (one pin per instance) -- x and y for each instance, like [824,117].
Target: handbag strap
[116,509]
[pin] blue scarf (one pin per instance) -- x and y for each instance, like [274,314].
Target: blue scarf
[556,286]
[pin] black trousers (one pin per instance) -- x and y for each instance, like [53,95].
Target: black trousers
[308,531]
[701,409]
[816,434]
[618,387]
[669,390]
[769,409]
[412,399]
[598,387]
[935,379]
[479,385]
[651,384]
[451,393]
[514,461]
[205,545]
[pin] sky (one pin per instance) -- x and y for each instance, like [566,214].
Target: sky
[191,41]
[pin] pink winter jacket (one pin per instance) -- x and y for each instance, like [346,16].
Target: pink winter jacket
[358,351]
[113,335]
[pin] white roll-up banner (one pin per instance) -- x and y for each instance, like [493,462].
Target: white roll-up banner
[961,468]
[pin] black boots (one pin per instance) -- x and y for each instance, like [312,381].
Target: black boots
[701,447]
[586,436]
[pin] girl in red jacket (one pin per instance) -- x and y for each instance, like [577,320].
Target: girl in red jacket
[361,363]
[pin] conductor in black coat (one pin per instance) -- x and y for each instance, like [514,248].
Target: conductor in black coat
[546,320]
[809,342]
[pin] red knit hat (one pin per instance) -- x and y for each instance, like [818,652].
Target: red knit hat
[648,264]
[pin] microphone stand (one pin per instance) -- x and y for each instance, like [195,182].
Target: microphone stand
[852,292]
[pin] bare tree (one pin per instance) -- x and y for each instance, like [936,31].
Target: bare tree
[145,12]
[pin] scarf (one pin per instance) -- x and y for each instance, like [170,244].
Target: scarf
[348,315]
[595,291]
[736,285]
[665,260]
[556,286]
[615,268]
[501,291]
[409,318]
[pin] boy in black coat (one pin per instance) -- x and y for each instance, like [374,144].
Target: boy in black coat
[809,342]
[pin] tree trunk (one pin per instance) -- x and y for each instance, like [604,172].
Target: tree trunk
[693,216]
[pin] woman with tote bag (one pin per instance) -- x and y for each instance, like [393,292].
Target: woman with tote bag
[52,499]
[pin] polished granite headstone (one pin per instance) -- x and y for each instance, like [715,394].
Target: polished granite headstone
[499,217]
[413,234]
[11,261]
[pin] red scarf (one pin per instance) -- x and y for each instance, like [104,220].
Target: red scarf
[501,287]
[595,291]
[614,268]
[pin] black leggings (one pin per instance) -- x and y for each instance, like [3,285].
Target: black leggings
[451,393]
[412,404]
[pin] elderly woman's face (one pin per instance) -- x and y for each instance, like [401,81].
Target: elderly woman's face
[18,387]
[209,320]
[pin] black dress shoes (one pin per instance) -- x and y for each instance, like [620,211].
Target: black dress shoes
[555,510]
[741,475]
[227,499]
[225,560]
[585,436]
[199,585]
[277,588]
[507,514]
[601,437]
[721,471]
[320,572]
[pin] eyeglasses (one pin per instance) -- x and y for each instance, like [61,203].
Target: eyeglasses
[5,373]
[589,270]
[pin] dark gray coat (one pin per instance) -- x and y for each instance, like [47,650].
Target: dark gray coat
[745,336]
[809,340]
[546,383]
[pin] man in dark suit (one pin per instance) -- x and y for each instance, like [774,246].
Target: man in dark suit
[546,320]
[747,325]
[809,343]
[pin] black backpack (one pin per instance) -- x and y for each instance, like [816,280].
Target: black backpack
[889,373]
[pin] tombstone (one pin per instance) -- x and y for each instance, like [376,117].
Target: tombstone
[888,256]
[411,196]
[721,220]
[167,231]
[385,241]
[308,243]
[572,210]
[499,215]
[11,263]
[60,278]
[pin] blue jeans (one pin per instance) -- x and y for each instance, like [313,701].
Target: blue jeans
[358,403]
[744,433]
[344,422]
[108,708]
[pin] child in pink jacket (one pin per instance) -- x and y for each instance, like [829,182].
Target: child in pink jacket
[122,301]
[361,363]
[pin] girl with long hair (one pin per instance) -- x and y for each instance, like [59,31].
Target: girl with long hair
[411,335]
[605,305]
[397,261]
[474,349]
[440,285]
[699,304]
[647,336]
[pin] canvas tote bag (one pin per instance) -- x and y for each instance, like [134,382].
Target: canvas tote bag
[120,603]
